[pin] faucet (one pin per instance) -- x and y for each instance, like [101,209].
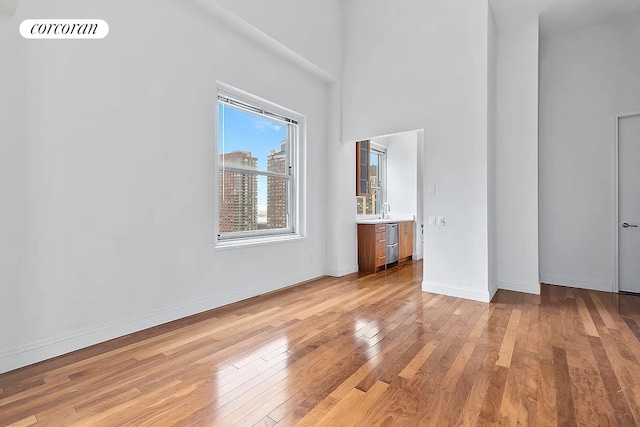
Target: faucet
[385,212]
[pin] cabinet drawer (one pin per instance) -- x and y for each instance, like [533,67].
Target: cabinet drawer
[381,228]
[381,256]
[381,240]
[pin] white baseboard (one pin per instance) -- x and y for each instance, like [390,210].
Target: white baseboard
[514,285]
[342,271]
[34,352]
[577,282]
[456,291]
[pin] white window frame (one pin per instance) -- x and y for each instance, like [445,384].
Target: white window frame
[295,123]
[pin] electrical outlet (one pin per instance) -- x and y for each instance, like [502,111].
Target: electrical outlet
[432,221]
[433,190]
[441,221]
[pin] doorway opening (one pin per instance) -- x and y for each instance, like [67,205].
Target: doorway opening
[390,181]
[627,203]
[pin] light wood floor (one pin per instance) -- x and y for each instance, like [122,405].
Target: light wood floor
[368,350]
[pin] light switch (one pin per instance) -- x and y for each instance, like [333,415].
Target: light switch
[441,221]
[432,221]
[432,190]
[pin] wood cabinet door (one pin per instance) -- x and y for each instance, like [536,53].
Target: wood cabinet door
[405,240]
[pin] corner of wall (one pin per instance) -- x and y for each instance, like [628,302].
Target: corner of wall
[457,291]
[493,288]
[516,286]
[342,271]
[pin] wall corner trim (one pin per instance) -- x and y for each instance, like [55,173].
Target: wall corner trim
[519,286]
[456,291]
[343,271]
[218,12]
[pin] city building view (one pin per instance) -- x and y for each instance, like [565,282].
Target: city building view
[367,205]
[277,189]
[239,192]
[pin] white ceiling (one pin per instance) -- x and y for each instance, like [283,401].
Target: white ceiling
[560,16]
[556,16]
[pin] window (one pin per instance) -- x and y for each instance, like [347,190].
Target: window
[257,166]
[371,202]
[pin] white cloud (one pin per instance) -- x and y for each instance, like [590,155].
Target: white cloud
[263,124]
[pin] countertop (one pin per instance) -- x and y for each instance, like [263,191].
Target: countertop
[376,220]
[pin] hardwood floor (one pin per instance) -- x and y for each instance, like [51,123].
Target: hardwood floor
[371,350]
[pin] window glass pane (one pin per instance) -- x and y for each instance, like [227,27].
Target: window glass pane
[252,202]
[238,201]
[248,140]
[277,190]
[371,204]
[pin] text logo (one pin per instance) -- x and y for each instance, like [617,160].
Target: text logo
[64,29]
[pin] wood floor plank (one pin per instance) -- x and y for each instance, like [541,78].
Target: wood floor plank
[587,320]
[340,411]
[313,417]
[506,350]
[512,399]
[604,313]
[615,393]
[25,422]
[564,393]
[470,413]
[363,405]
[359,350]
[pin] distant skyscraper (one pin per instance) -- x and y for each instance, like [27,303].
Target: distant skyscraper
[372,200]
[238,193]
[277,189]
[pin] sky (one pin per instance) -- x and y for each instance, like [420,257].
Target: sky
[244,131]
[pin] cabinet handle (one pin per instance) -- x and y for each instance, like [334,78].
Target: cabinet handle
[380,241]
[381,257]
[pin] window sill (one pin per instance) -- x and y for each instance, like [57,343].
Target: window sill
[223,245]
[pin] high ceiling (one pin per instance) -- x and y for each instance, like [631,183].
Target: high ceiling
[559,16]
[556,16]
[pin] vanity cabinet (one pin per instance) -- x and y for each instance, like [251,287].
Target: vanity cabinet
[372,245]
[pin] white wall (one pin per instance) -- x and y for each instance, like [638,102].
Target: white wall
[14,255]
[492,121]
[340,184]
[403,182]
[586,77]
[308,27]
[313,31]
[402,173]
[120,143]
[517,157]
[424,66]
